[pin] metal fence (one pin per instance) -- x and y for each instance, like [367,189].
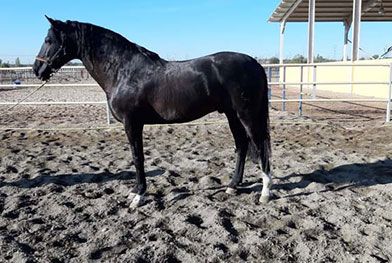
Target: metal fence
[24,77]
[280,80]
[276,74]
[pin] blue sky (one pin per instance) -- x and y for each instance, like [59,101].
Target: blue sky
[179,29]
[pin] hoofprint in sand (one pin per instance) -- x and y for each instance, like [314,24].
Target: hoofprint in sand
[63,195]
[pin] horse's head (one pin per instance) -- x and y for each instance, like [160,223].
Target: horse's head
[56,50]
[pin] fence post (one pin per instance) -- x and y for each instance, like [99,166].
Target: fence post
[300,92]
[388,117]
[284,89]
[108,114]
[314,82]
[269,85]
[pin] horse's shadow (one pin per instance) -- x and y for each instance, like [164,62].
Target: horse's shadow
[336,179]
[341,177]
[76,178]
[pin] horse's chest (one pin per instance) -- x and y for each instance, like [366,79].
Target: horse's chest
[121,106]
[116,112]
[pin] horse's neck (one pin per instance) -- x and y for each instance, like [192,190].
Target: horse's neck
[98,62]
[95,66]
[105,60]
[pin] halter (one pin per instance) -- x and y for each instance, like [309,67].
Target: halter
[49,61]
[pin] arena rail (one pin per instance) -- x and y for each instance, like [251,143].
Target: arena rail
[282,81]
[282,68]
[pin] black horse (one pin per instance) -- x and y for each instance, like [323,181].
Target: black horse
[142,88]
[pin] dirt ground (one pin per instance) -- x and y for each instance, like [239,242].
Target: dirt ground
[63,192]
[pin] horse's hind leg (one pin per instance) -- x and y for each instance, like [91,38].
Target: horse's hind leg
[241,143]
[259,138]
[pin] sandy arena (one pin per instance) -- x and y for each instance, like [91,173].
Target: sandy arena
[63,192]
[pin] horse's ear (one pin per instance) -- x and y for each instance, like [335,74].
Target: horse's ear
[56,24]
[51,21]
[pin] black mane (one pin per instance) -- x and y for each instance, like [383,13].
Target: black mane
[97,30]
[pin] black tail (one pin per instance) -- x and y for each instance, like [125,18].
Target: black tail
[265,133]
[265,149]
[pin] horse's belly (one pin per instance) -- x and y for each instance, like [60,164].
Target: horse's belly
[185,99]
[184,112]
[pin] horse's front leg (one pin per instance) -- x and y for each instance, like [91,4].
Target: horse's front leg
[134,131]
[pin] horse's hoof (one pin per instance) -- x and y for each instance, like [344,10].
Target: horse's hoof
[231,191]
[264,199]
[131,196]
[137,200]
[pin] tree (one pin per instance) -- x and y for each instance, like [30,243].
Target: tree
[320,58]
[17,62]
[273,60]
[298,59]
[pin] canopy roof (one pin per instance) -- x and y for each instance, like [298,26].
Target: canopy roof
[331,10]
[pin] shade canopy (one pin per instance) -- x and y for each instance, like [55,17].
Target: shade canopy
[332,11]
[349,12]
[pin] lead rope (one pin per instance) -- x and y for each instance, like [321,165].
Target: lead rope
[31,93]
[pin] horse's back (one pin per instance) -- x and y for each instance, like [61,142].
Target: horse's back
[226,77]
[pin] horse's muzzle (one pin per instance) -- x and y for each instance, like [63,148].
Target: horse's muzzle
[42,70]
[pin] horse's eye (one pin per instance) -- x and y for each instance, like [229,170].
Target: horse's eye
[48,41]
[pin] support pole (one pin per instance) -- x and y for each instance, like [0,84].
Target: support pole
[281,42]
[284,90]
[314,79]
[269,85]
[282,69]
[301,92]
[357,12]
[311,20]
[347,25]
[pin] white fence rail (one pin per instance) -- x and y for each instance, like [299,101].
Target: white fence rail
[282,68]
[48,85]
[272,70]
